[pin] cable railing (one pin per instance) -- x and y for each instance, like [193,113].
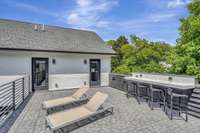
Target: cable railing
[12,95]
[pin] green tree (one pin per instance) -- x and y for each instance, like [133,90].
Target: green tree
[187,50]
[141,56]
[117,45]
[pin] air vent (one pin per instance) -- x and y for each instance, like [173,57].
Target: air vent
[56,85]
[85,61]
[35,27]
[43,27]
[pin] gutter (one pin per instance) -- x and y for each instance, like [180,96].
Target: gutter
[58,51]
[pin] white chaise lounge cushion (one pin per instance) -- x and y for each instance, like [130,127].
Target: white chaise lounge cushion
[64,100]
[58,101]
[61,119]
[96,101]
[80,92]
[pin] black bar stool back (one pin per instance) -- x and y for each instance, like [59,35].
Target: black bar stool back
[177,102]
[157,95]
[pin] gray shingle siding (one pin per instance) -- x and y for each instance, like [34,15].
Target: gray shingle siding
[22,36]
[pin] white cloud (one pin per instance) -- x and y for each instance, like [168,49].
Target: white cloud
[92,15]
[161,17]
[88,13]
[103,23]
[73,18]
[177,3]
[30,7]
[83,3]
[146,21]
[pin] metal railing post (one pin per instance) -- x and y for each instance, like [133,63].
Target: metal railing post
[13,85]
[30,84]
[23,88]
[13,97]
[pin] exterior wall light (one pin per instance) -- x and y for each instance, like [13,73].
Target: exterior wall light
[53,61]
[85,61]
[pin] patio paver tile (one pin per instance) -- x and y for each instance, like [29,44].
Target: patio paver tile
[128,117]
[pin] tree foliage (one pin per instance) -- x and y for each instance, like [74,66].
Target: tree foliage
[187,53]
[117,45]
[139,55]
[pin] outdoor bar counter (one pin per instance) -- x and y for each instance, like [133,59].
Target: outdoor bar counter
[166,84]
[180,83]
[173,91]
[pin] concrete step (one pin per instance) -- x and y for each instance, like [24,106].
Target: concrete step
[194,105]
[196,90]
[195,100]
[195,97]
[194,114]
[196,94]
[194,109]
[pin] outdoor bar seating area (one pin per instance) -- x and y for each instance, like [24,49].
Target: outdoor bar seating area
[170,93]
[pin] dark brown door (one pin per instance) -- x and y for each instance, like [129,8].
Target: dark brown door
[40,73]
[95,71]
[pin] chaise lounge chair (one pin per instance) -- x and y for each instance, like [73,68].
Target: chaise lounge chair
[77,98]
[56,122]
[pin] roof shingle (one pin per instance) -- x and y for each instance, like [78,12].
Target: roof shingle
[21,35]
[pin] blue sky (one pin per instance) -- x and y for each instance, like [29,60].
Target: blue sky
[156,20]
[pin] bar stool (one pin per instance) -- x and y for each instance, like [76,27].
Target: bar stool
[182,108]
[131,89]
[153,99]
[143,91]
[125,85]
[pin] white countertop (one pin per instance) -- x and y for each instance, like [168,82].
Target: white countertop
[168,84]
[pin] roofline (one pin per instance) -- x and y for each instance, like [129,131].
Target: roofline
[49,25]
[58,51]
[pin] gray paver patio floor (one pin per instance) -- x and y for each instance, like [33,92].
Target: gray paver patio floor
[128,117]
